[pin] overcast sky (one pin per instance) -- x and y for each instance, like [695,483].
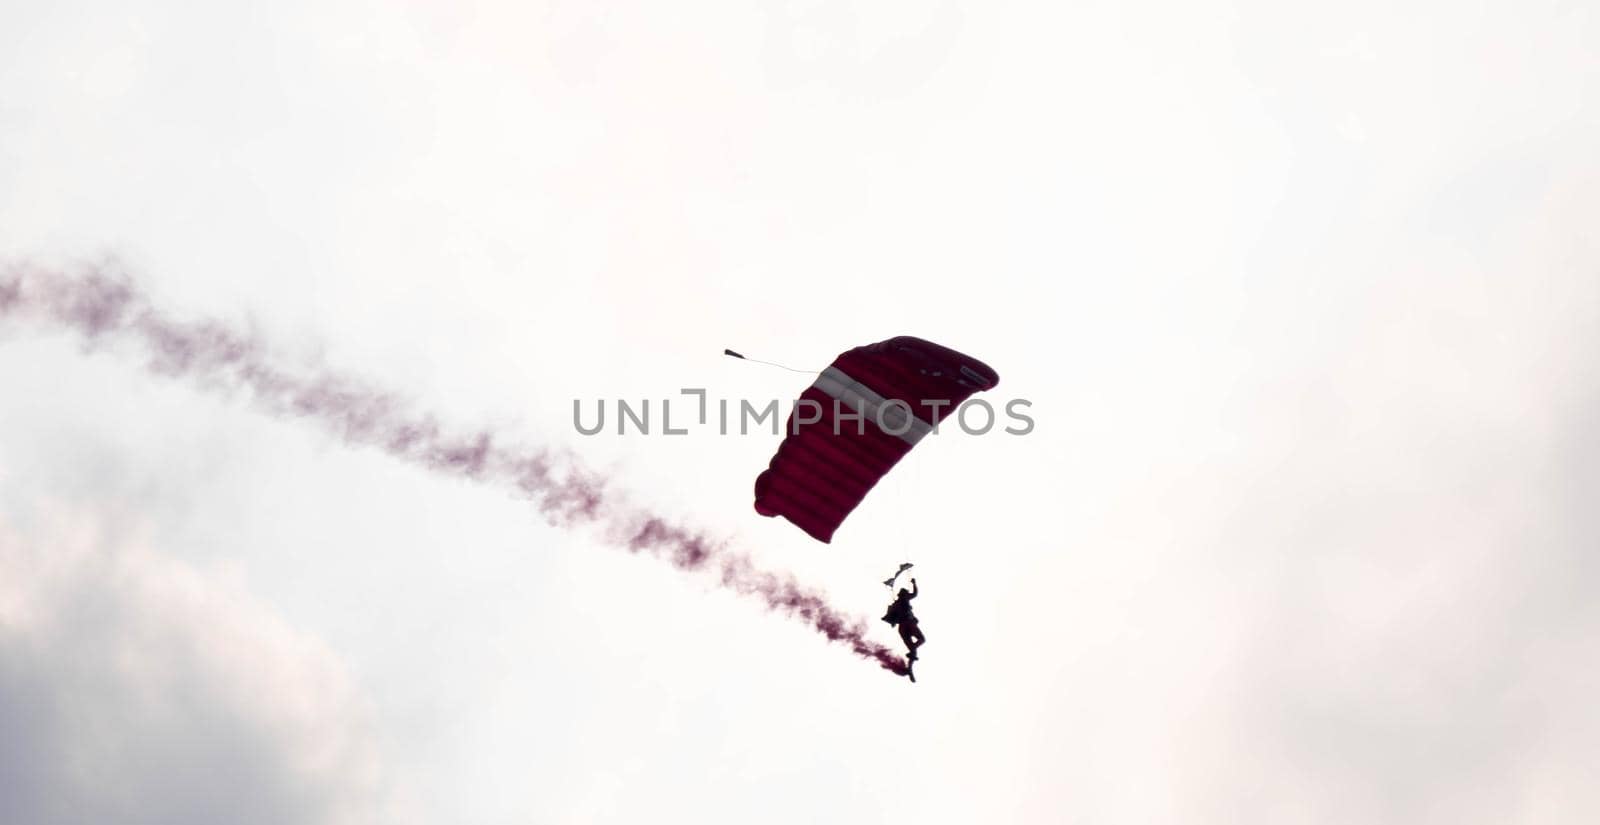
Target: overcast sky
[1305,297]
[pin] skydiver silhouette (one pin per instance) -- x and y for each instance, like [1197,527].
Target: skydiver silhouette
[905,621]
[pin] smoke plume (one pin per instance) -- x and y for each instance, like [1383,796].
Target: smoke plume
[103,306]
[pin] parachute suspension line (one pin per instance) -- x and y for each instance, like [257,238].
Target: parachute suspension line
[730,352]
[905,498]
[913,493]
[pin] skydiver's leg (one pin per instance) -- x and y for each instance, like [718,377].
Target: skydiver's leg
[912,636]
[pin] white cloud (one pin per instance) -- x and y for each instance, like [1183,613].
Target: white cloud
[135,688]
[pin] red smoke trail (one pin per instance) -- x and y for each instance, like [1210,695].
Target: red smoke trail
[104,306]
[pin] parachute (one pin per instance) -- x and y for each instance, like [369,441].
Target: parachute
[856,421]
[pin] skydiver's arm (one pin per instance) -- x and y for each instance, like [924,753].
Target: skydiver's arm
[913,588]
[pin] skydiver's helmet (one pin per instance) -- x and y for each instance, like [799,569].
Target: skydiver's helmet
[904,593]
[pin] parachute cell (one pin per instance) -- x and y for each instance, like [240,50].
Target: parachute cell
[856,421]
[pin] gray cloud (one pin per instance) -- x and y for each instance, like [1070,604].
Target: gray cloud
[134,689]
[1416,563]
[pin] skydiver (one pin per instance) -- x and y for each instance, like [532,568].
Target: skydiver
[902,618]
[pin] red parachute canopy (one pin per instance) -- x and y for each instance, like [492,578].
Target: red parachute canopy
[829,458]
